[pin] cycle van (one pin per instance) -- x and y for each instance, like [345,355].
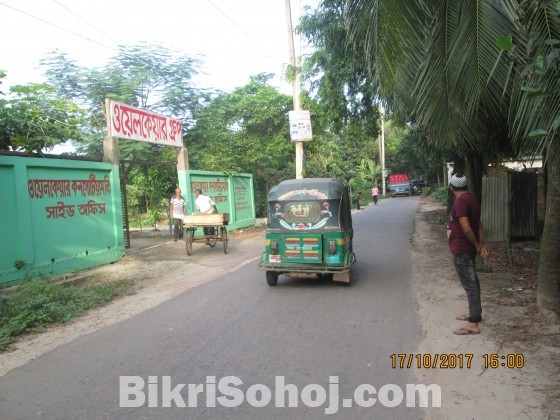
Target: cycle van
[309,231]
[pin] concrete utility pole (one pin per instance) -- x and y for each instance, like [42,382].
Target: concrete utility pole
[382,151]
[296,84]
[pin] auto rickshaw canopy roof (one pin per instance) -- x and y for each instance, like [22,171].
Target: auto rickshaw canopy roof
[302,189]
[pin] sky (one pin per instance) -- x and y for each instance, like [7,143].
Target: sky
[236,39]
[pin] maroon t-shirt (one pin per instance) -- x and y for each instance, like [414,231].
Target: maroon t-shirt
[466,205]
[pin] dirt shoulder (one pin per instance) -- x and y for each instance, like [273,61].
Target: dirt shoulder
[511,324]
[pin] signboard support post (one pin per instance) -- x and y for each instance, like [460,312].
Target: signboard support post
[183,160]
[182,168]
[110,144]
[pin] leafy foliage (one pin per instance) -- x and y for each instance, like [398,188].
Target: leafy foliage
[434,64]
[150,181]
[337,73]
[245,131]
[147,76]
[34,118]
[410,152]
[440,195]
[534,57]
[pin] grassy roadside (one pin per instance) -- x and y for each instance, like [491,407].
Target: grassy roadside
[37,304]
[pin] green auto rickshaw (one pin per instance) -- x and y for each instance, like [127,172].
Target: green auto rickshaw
[309,231]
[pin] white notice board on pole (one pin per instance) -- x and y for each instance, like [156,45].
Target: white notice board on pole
[300,125]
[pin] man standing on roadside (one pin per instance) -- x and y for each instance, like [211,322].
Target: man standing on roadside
[177,211]
[466,239]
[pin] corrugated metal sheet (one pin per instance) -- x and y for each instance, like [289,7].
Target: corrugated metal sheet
[509,206]
[523,204]
[495,208]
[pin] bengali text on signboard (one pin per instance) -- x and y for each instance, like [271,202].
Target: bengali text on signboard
[132,123]
[63,188]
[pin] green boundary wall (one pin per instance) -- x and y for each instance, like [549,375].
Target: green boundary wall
[59,216]
[232,194]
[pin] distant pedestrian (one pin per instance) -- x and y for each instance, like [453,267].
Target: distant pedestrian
[466,239]
[374,194]
[358,198]
[177,211]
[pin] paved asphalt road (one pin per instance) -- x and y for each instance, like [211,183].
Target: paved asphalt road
[313,333]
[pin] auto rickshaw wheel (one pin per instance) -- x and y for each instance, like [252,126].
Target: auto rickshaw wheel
[272,278]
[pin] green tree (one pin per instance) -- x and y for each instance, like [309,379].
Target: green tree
[245,131]
[413,154]
[147,76]
[434,63]
[337,78]
[34,117]
[336,72]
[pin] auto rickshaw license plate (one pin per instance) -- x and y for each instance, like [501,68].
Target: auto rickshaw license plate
[274,258]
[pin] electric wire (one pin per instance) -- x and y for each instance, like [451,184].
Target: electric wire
[236,25]
[109,37]
[58,27]
[121,47]
[88,23]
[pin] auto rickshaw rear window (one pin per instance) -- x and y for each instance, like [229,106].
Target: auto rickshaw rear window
[303,212]
[304,215]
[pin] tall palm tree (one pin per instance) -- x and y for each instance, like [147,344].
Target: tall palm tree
[435,62]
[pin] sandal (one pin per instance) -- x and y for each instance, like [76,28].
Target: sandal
[463,317]
[465,331]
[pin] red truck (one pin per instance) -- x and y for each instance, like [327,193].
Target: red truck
[399,184]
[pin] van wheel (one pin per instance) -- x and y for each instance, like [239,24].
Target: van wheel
[272,278]
[189,241]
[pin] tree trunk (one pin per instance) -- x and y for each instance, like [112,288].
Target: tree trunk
[548,283]
[473,171]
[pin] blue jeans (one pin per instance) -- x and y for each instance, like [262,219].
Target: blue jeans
[464,264]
